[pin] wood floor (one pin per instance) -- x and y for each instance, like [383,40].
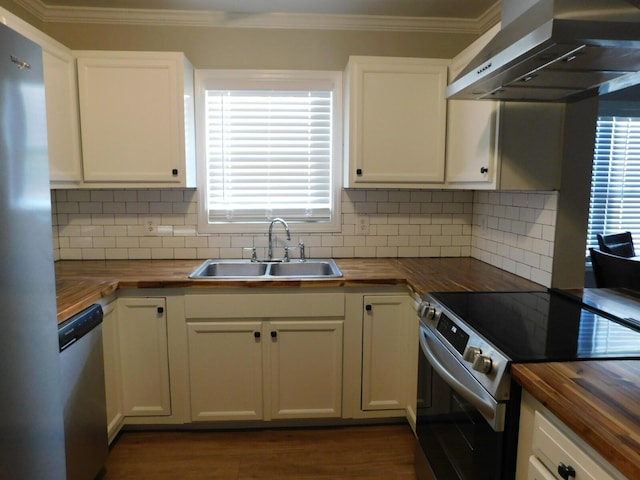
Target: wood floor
[362,452]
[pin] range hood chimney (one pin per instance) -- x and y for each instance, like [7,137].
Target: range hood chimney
[556,51]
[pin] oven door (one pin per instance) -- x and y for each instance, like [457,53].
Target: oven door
[459,425]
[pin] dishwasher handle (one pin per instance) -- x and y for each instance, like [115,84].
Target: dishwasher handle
[73,329]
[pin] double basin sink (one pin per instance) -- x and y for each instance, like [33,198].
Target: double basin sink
[246,269]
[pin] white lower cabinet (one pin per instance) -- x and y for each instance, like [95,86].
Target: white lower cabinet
[559,453]
[282,364]
[112,370]
[305,368]
[259,355]
[380,359]
[225,370]
[384,353]
[144,358]
[548,449]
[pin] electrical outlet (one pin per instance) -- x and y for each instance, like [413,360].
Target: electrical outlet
[150,227]
[363,226]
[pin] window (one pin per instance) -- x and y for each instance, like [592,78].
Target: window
[615,183]
[269,145]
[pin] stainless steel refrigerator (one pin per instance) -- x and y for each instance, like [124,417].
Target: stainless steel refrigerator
[31,413]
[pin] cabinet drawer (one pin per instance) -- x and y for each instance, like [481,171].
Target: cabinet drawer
[537,471]
[265,305]
[553,447]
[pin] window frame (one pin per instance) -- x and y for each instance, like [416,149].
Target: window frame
[217,79]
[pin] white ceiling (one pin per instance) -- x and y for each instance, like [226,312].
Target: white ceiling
[473,16]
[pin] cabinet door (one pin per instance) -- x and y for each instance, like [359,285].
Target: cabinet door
[472,130]
[384,353]
[144,356]
[112,370]
[397,121]
[472,142]
[305,368]
[61,91]
[225,370]
[132,116]
[62,116]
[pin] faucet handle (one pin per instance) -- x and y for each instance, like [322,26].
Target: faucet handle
[254,255]
[301,248]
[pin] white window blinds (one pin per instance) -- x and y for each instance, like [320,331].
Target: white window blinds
[268,154]
[615,183]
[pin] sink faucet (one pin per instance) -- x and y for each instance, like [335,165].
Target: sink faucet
[286,228]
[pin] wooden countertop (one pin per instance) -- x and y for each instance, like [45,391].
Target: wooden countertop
[598,400]
[81,283]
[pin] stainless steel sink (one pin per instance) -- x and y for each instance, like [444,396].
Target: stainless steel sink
[309,268]
[232,268]
[246,269]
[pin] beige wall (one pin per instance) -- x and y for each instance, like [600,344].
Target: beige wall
[259,48]
[575,190]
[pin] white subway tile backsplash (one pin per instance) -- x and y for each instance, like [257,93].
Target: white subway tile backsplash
[103,196]
[511,230]
[392,208]
[377,196]
[398,241]
[116,254]
[515,231]
[140,254]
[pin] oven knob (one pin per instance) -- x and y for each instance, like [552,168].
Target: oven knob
[428,312]
[471,353]
[433,314]
[482,364]
[423,308]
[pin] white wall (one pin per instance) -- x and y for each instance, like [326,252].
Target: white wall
[513,231]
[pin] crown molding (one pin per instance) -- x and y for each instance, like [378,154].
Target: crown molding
[198,18]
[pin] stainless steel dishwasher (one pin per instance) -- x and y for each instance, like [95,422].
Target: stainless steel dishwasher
[83,394]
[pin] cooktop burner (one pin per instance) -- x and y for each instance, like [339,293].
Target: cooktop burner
[542,326]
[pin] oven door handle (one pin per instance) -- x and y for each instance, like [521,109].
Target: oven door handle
[479,398]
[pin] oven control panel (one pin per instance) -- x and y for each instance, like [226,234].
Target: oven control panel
[488,365]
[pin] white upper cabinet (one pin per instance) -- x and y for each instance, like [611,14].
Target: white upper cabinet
[501,145]
[136,113]
[472,129]
[472,149]
[65,158]
[61,92]
[395,122]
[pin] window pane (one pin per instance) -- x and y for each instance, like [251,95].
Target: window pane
[615,183]
[268,154]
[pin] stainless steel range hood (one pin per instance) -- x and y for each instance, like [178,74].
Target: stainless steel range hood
[556,51]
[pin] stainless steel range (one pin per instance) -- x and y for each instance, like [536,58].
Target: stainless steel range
[468,408]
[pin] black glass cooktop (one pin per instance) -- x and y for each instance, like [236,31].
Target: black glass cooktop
[542,326]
